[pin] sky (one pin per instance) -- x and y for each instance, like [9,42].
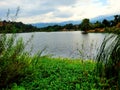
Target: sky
[34,11]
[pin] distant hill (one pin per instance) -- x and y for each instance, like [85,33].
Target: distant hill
[40,25]
[99,18]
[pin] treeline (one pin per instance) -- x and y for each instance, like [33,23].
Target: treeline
[67,27]
[103,26]
[86,25]
[16,27]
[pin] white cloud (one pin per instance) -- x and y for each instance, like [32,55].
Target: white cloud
[59,10]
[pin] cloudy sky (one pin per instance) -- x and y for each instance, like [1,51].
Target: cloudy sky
[33,11]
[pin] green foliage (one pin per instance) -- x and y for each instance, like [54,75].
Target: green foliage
[58,73]
[106,23]
[116,20]
[16,87]
[97,24]
[19,71]
[112,30]
[13,60]
[85,25]
[16,27]
[69,26]
[108,60]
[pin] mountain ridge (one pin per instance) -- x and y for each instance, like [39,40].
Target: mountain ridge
[92,20]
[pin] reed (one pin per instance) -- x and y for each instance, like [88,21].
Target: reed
[108,59]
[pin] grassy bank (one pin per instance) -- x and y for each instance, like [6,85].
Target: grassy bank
[57,73]
[20,71]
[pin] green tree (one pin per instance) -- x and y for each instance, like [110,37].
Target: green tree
[69,26]
[85,25]
[116,18]
[106,23]
[98,24]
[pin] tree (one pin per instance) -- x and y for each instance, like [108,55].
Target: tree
[85,25]
[106,23]
[115,21]
[97,24]
[116,18]
[69,26]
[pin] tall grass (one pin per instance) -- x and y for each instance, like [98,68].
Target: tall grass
[88,51]
[15,63]
[108,59]
[13,60]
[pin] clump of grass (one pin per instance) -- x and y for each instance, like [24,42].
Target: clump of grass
[13,60]
[108,59]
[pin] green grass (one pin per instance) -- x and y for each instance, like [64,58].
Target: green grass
[20,71]
[61,74]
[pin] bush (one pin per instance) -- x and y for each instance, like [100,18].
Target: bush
[112,30]
[13,60]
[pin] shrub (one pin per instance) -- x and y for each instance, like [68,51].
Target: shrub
[13,60]
[112,30]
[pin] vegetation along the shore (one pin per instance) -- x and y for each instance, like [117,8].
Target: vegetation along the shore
[20,71]
[109,26]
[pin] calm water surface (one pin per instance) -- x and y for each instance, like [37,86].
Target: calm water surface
[65,44]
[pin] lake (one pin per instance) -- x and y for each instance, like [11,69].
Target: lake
[64,44]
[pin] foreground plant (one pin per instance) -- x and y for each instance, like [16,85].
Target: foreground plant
[108,60]
[13,60]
